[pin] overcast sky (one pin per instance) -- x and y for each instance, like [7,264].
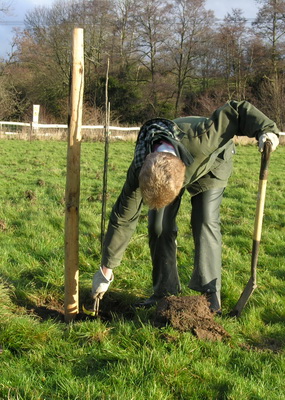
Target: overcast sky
[19,8]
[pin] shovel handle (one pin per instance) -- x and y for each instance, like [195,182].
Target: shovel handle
[265,158]
[263,175]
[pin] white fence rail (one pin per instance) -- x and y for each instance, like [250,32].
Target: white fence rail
[36,127]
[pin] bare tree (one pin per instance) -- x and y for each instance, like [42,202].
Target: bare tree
[167,57]
[124,32]
[231,41]
[191,28]
[5,7]
[43,55]
[96,16]
[270,26]
[152,30]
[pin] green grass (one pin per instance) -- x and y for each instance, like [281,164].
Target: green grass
[127,357]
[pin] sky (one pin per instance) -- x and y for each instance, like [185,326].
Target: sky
[222,7]
[19,8]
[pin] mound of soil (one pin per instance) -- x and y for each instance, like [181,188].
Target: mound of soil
[190,313]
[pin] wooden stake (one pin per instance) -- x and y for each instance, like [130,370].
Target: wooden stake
[106,158]
[72,192]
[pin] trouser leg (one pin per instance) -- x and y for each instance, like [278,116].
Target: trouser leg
[162,230]
[205,221]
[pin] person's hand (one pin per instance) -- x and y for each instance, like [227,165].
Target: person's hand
[268,136]
[100,284]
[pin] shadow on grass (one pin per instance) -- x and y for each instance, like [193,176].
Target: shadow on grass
[266,344]
[114,306]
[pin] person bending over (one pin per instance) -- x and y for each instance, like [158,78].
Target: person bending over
[193,154]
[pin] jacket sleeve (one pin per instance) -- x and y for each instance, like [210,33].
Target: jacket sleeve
[210,140]
[251,121]
[123,220]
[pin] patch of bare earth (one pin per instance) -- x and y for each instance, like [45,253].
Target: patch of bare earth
[190,313]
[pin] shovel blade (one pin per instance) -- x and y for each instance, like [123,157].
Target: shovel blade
[248,290]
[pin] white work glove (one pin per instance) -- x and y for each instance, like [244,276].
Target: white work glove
[100,284]
[268,136]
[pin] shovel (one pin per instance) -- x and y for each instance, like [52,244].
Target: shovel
[251,285]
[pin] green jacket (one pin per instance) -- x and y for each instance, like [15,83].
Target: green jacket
[210,142]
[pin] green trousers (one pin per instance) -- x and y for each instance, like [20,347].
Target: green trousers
[205,223]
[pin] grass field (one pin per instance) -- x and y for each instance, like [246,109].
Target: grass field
[126,357]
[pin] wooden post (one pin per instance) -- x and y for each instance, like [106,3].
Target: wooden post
[35,121]
[72,192]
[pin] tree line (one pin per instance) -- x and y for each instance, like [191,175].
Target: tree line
[167,58]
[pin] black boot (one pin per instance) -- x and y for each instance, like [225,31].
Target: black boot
[148,303]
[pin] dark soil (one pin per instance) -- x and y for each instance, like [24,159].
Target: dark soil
[190,313]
